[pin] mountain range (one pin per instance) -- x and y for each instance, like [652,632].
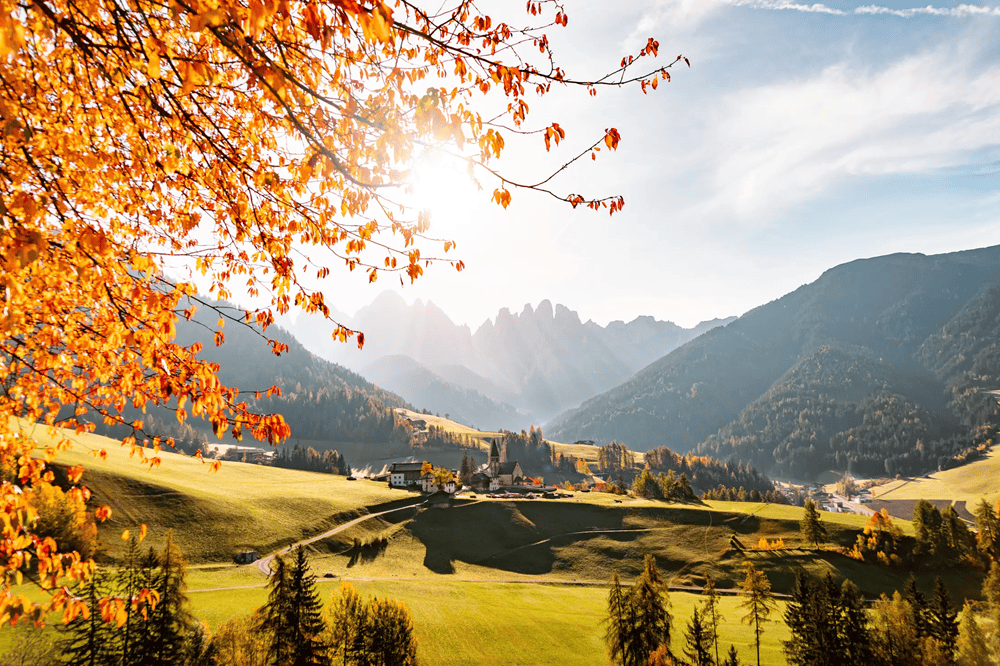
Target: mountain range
[515,370]
[880,364]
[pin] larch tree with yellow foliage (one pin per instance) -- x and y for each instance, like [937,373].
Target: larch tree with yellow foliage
[260,141]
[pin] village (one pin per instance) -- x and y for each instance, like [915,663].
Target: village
[498,478]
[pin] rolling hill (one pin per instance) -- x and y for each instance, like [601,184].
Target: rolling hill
[880,364]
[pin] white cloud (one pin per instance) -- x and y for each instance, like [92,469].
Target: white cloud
[776,145]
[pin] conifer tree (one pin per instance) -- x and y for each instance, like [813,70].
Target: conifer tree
[853,630]
[621,623]
[811,527]
[991,590]
[732,659]
[170,624]
[698,641]
[942,618]
[918,604]
[927,526]
[988,526]
[896,641]
[652,611]
[390,633]
[711,613]
[971,649]
[758,601]
[276,615]
[88,640]
[306,614]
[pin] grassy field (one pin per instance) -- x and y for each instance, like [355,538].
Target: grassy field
[480,624]
[966,484]
[213,514]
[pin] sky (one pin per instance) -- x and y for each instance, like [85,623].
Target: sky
[802,136]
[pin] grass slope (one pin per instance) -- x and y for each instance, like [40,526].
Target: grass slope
[968,483]
[213,514]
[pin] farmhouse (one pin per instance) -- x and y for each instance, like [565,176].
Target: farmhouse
[485,481]
[403,475]
[429,485]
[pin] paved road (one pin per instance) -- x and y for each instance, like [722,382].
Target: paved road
[264,563]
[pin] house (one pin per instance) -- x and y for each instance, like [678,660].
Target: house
[404,475]
[485,481]
[429,485]
[246,556]
[507,472]
[439,500]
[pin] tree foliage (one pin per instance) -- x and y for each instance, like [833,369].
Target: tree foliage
[639,620]
[257,141]
[758,601]
[811,527]
[376,632]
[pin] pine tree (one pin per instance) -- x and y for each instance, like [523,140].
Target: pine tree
[854,635]
[621,623]
[972,649]
[732,659]
[699,641]
[927,526]
[276,615]
[89,641]
[758,601]
[991,590]
[988,526]
[918,603]
[652,614]
[942,618]
[306,614]
[711,613]
[811,528]
[170,624]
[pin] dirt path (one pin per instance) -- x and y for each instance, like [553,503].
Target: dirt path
[264,563]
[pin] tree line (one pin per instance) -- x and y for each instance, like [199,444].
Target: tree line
[829,622]
[139,615]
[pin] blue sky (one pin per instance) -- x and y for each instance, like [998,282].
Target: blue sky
[803,136]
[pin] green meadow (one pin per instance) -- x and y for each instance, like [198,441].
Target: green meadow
[488,580]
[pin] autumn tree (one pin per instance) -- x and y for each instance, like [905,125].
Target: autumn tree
[896,641]
[258,141]
[639,620]
[758,601]
[971,649]
[988,526]
[377,632]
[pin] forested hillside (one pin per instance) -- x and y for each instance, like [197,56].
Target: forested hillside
[880,364]
[320,400]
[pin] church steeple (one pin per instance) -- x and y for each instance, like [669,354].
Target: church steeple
[494,466]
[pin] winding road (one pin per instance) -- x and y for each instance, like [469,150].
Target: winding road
[264,563]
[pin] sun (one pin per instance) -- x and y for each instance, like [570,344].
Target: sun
[441,184]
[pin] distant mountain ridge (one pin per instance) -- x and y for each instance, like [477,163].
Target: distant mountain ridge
[913,337]
[513,371]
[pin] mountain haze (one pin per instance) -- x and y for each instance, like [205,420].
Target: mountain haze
[515,370]
[880,363]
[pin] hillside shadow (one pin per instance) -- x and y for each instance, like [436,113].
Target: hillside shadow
[364,553]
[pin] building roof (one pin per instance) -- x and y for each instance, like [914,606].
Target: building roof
[494,450]
[507,467]
[406,467]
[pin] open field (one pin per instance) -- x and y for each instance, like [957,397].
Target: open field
[966,484]
[479,624]
[213,514]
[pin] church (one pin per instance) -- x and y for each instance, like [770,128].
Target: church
[508,473]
